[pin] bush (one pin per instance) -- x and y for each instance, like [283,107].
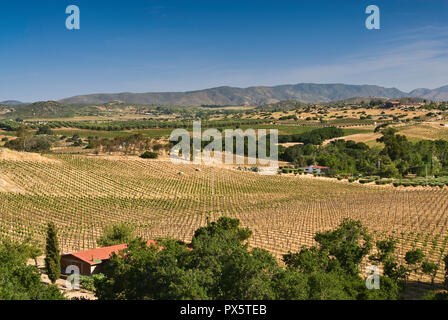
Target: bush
[44,130]
[116,234]
[363,181]
[19,280]
[88,283]
[383,181]
[31,144]
[149,155]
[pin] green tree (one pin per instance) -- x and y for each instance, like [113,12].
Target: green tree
[414,258]
[44,130]
[116,234]
[34,250]
[349,244]
[219,265]
[396,146]
[52,255]
[430,269]
[20,281]
[22,132]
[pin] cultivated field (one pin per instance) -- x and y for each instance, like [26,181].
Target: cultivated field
[82,194]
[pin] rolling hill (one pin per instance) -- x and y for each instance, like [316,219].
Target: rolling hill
[42,109]
[11,102]
[436,94]
[305,92]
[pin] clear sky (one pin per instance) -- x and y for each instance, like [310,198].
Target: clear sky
[150,46]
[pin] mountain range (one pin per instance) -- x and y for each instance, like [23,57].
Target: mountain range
[439,94]
[304,92]
[11,102]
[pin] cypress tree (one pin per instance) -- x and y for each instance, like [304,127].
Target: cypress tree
[52,255]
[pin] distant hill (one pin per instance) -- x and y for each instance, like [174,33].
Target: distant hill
[11,102]
[261,95]
[42,109]
[305,92]
[439,94]
[358,100]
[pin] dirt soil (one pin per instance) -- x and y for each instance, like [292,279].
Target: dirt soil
[11,155]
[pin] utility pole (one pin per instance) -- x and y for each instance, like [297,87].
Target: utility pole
[426,171]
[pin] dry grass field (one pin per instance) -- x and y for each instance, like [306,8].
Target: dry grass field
[83,194]
[426,130]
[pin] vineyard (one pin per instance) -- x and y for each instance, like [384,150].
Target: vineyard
[83,194]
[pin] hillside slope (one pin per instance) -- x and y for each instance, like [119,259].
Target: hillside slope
[42,109]
[436,94]
[305,92]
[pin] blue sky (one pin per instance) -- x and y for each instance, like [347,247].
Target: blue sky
[150,46]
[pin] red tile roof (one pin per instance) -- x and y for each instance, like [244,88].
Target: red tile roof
[320,167]
[104,253]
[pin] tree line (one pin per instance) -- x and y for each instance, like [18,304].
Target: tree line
[118,125]
[398,158]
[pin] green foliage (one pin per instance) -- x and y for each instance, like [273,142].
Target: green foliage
[44,130]
[397,159]
[52,254]
[414,257]
[219,265]
[20,281]
[22,132]
[430,269]
[386,256]
[434,295]
[116,234]
[149,155]
[31,144]
[88,283]
[349,244]
[315,137]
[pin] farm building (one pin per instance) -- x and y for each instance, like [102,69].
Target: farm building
[316,169]
[91,261]
[390,104]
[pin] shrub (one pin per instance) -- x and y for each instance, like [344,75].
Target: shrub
[44,130]
[31,144]
[149,155]
[383,181]
[88,283]
[116,234]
